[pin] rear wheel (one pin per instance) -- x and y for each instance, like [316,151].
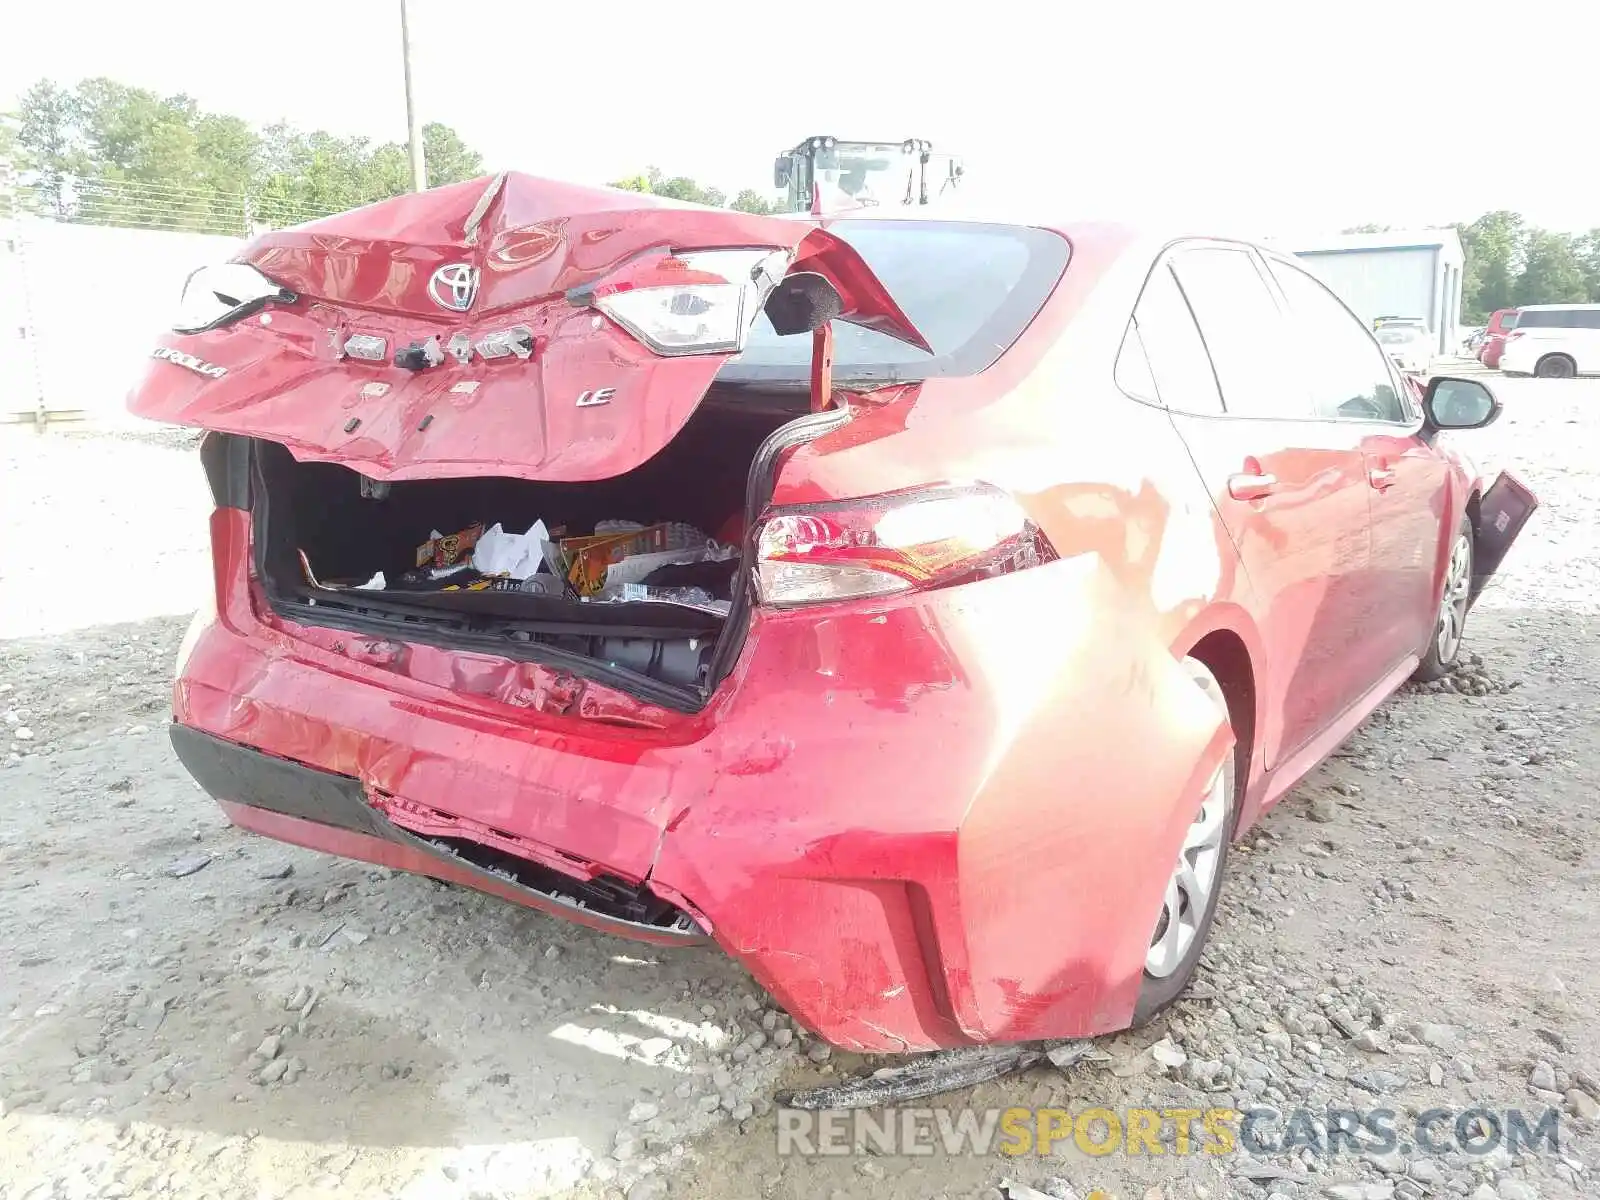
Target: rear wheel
[1555,366]
[1190,902]
[1444,646]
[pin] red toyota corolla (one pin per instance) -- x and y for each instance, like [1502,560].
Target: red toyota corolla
[917,608]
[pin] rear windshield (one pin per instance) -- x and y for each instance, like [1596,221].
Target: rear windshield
[970,288]
[1559,318]
[1391,335]
[1509,321]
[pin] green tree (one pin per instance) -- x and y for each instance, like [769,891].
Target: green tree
[681,187]
[447,158]
[751,201]
[676,187]
[1587,249]
[387,172]
[1552,274]
[45,139]
[1496,247]
[107,152]
[228,150]
[632,183]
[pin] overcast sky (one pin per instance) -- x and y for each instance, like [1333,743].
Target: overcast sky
[1285,117]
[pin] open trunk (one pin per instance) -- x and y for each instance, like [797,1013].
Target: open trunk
[503,352]
[349,531]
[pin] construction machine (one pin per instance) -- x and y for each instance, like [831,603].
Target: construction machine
[826,174]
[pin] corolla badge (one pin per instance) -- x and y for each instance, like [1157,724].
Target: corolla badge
[198,365]
[454,286]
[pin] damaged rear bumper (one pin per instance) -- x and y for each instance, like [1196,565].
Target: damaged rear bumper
[325,811]
[914,827]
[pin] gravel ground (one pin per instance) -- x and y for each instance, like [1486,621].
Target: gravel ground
[186,1010]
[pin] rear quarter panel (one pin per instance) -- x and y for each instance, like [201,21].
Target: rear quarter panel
[1102,474]
[1093,738]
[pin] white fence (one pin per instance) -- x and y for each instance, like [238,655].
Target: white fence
[81,307]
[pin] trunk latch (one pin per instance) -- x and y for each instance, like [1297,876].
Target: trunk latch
[419,356]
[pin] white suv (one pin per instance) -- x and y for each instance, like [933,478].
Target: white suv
[1554,341]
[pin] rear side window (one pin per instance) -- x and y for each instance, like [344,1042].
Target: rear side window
[970,288]
[1175,366]
[1559,318]
[1508,322]
[1352,380]
[1244,332]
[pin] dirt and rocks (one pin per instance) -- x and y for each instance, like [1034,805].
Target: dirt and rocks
[187,1011]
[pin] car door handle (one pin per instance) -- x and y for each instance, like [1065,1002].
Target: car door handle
[1380,477]
[1251,487]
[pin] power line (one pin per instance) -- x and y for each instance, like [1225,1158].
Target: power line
[142,204]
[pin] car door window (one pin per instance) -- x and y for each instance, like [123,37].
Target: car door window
[1350,377]
[1163,359]
[1244,331]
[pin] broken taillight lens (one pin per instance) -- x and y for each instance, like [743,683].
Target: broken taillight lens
[226,292]
[883,545]
[691,302]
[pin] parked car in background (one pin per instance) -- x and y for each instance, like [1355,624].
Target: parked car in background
[1554,341]
[1472,341]
[1090,545]
[1502,322]
[1409,347]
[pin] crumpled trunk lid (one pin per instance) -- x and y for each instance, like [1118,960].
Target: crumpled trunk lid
[388,270]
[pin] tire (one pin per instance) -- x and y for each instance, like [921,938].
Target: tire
[1555,366]
[1162,986]
[1442,652]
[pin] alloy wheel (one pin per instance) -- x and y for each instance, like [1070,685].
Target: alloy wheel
[1453,604]
[1196,875]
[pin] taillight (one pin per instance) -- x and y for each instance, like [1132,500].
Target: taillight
[883,545]
[690,302]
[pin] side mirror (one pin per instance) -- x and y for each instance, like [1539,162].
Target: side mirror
[1458,404]
[780,173]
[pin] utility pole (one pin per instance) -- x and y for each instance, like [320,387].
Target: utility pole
[419,169]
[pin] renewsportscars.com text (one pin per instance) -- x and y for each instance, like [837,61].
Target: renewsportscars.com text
[1159,1131]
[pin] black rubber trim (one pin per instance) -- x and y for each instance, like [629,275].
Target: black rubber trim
[243,775]
[226,459]
[758,490]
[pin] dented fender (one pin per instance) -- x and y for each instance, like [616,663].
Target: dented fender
[907,901]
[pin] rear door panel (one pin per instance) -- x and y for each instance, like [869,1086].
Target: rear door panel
[1305,542]
[1306,549]
[1356,389]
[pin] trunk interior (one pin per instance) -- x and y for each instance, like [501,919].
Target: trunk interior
[659,650]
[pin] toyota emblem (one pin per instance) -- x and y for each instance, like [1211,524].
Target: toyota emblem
[454,286]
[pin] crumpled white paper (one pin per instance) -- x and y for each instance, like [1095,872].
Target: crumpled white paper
[517,555]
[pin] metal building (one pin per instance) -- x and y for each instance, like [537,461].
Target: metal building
[1413,273]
